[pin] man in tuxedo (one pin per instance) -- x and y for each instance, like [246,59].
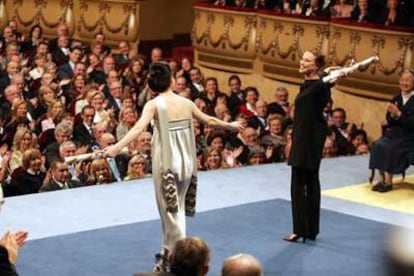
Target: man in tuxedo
[5,80]
[62,30]
[281,105]
[259,121]
[122,58]
[114,97]
[63,132]
[66,70]
[60,179]
[196,85]
[83,134]
[236,98]
[61,55]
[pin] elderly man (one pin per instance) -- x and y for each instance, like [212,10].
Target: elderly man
[241,265]
[63,132]
[281,105]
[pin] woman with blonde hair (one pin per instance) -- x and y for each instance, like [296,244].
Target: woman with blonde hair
[127,119]
[213,159]
[22,141]
[137,167]
[52,117]
[47,95]
[99,172]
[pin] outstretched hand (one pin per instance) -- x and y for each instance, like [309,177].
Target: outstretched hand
[111,151]
[237,126]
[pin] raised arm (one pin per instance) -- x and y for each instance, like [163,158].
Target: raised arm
[146,117]
[213,121]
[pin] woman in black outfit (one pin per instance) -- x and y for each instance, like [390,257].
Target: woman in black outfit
[309,134]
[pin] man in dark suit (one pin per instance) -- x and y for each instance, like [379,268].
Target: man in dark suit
[83,134]
[66,70]
[122,58]
[63,132]
[259,121]
[60,177]
[61,55]
[281,105]
[114,97]
[196,85]
[11,69]
[62,30]
[236,98]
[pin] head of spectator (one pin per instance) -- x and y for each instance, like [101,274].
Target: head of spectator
[75,55]
[180,84]
[55,111]
[63,132]
[234,83]
[97,49]
[35,33]
[100,38]
[212,159]
[190,256]
[261,108]
[211,86]
[128,116]
[137,167]
[156,55]
[108,64]
[87,114]
[63,42]
[112,76]
[241,265]
[19,110]
[136,66]
[256,156]
[217,139]
[62,30]
[143,144]
[67,149]
[97,101]
[39,62]
[243,119]
[250,137]
[282,96]
[359,137]
[22,140]
[78,84]
[18,80]
[222,112]
[123,47]
[195,75]
[362,149]
[60,171]
[106,139]
[116,89]
[8,34]
[339,117]
[251,96]
[406,83]
[12,68]
[329,148]
[32,160]
[11,93]
[51,68]
[128,100]
[274,122]
[186,64]
[94,61]
[47,95]
[80,69]
[99,172]
[42,48]
[12,49]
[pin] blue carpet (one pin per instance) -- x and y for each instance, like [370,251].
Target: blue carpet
[347,245]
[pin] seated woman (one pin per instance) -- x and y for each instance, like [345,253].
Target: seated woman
[22,141]
[127,119]
[213,159]
[137,167]
[31,178]
[390,153]
[52,117]
[250,99]
[99,172]
[273,139]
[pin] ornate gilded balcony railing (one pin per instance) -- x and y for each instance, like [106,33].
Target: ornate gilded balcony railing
[116,19]
[249,41]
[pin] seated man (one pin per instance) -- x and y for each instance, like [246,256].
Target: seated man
[241,265]
[60,178]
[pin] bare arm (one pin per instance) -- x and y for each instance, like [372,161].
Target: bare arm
[147,115]
[213,121]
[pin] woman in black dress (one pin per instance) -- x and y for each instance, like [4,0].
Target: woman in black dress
[391,153]
[308,137]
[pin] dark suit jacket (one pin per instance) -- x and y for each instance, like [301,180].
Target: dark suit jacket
[65,71]
[6,268]
[59,57]
[81,135]
[52,153]
[275,108]
[53,186]
[121,62]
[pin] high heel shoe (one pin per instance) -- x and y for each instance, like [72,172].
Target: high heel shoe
[294,238]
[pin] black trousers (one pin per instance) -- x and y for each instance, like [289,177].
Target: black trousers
[306,199]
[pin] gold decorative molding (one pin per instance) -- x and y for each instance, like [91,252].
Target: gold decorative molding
[279,41]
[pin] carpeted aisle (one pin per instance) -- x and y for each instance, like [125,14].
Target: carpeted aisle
[347,245]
